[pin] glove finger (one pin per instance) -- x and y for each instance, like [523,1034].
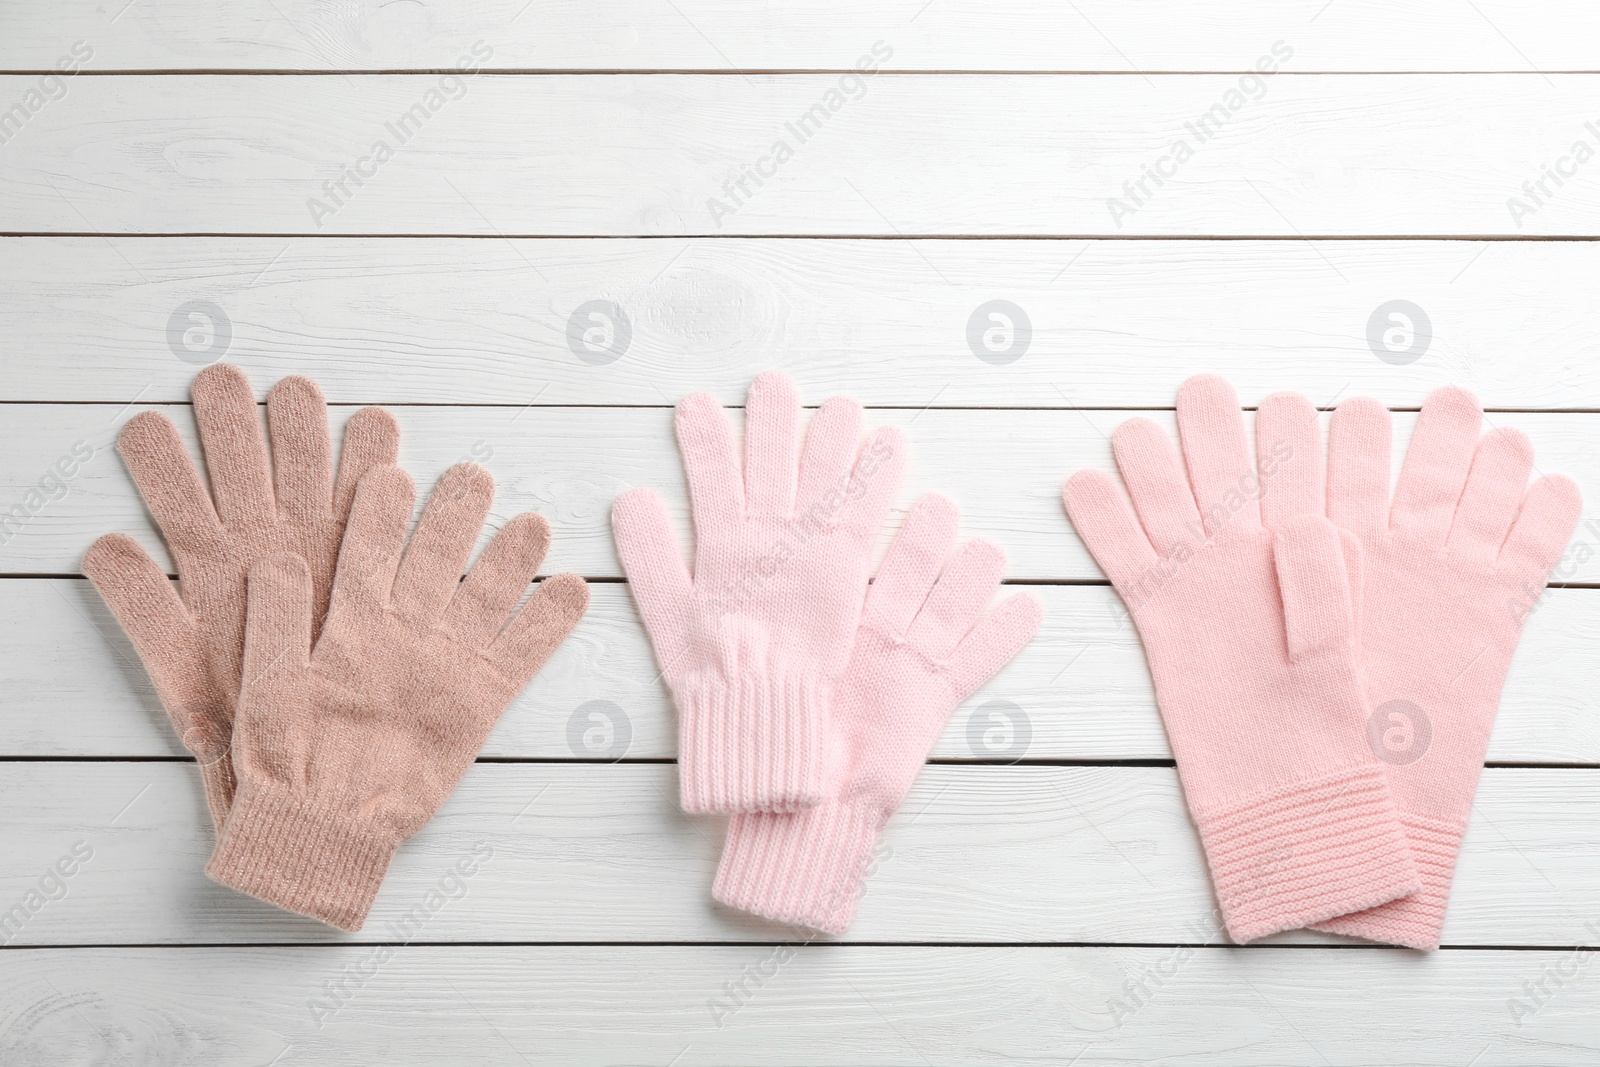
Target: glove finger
[541,625]
[373,541]
[1358,467]
[277,628]
[1549,514]
[1154,476]
[146,605]
[873,485]
[1211,430]
[913,564]
[958,599]
[302,454]
[657,577]
[1315,587]
[1289,457]
[831,445]
[497,581]
[771,445]
[167,480]
[993,643]
[1495,487]
[431,569]
[1436,465]
[1110,532]
[710,463]
[371,439]
[235,450]
[1355,572]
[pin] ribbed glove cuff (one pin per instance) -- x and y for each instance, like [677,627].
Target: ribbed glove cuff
[300,858]
[751,743]
[806,869]
[1415,921]
[1323,848]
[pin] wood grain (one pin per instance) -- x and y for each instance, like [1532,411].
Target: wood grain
[1080,690]
[1026,912]
[821,1005]
[600,852]
[628,155]
[1113,323]
[1004,467]
[722,34]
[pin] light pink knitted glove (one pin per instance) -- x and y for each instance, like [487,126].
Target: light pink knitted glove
[345,750]
[192,646]
[1452,569]
[922,648]
[1244,606]
[754,642]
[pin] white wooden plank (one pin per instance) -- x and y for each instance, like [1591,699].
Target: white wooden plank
[717,34]
[1112,323]
[821,1006]
[1005,469]
[946,154]
[809,1005]
[74,687]
[601,853]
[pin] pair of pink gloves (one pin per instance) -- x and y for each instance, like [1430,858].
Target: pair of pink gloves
[1328,663]
[333,680]
[808,701]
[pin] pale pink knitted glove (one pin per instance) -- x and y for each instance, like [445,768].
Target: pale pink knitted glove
[922,648]
[192,646]
[344,750]
[755,640]
[1244,608]
[1452,569]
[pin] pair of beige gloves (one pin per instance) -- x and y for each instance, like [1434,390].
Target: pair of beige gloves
[334,681]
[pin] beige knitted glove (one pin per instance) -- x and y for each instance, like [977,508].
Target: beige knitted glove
[192,645]
[344,750]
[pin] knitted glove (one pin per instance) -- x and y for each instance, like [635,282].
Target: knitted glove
[192,645]
[345,750]
[1243,602]
[922,648]
[1452,569]
[754,642]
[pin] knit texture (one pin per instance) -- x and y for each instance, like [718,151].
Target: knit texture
[1306,853]
[754,737]
[1453,567]
[753,643]
[347,750]
[1242,595]
[923,646]
[805,869]
[1417,920]
[305,859]
[192,645]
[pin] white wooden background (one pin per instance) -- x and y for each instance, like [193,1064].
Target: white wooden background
[1042,904]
